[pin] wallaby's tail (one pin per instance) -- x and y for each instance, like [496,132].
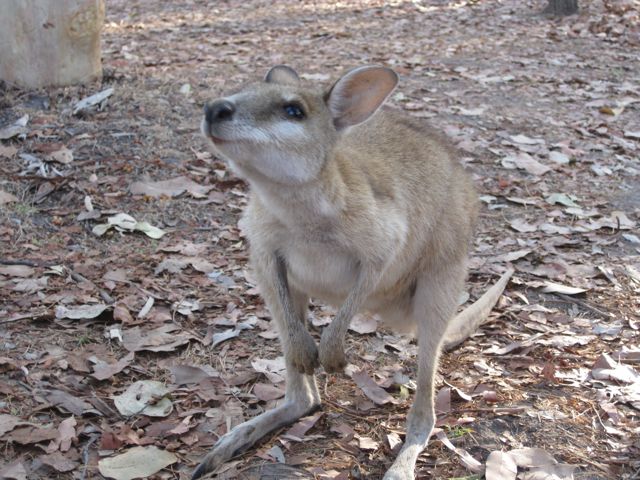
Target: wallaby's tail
[468,321]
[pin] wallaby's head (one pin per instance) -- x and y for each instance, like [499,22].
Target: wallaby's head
[285,131]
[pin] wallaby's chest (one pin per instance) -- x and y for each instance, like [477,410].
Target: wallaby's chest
[321,269]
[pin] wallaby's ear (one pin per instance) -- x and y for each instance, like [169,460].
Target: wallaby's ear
[282,74]
[359,93]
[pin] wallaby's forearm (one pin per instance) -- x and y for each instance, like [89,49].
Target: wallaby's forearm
[331,349]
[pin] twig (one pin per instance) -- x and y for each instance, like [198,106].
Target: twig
[103,293]
[348,411]
[85,456]
[28,263]
[26,315]
[583,304]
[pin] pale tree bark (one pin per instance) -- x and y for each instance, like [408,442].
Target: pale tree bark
[561,7]
[50,42]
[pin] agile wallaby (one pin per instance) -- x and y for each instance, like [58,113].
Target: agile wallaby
[360,210]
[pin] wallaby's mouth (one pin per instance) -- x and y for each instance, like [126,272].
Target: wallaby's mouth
[205,127]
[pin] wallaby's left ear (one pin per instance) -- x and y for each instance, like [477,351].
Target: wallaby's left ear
[282,74]
[359,93]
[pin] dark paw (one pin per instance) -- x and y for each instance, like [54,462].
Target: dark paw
[303,354]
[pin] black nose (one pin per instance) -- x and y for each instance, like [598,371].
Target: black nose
[219,110]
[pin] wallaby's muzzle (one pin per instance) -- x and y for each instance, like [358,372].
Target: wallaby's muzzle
[218,111]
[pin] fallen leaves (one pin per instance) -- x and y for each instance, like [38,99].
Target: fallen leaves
[170,188]
[539,463]
[551,142]
[9,422]
[144,397]
[137,462]
[6,197]
[371,389]
[69,402]
[123,222]
[606,368]
[96,100]
[31,434]
[550,287]
[161,339]
[272,369]
[15,129]
[526,162]
[81,311]
[103,370]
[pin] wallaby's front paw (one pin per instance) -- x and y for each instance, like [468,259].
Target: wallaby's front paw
[303,353]
[331,352]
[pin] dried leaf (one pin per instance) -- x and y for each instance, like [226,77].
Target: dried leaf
[6,197]
[17,270]
[31,434]
[302,426]
[267,392]
[126,223]
[66,435]
[550,287]
[363,324]
[58,462]
[63,156]
[393,439]
[31,285]
[190,374]
[559,157]
[501,466]
[371,389]
[223,336]
[70,403]
[137,462]
[367,443]
[470,462]
[161,339]
[606,368]
[170,188]
[8,151]
[229,413]
[92,100]
[523,139]
[13,471]
[103,370]
[80,312]
[526,162]
[19,127]
[9,422]
[563,199]
[272,369]
[146,397]
[522,226]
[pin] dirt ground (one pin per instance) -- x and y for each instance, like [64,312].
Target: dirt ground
[545,113]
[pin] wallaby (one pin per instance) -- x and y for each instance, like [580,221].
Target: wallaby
[363,208]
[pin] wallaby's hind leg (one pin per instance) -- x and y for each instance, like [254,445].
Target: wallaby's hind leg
[435,302]
[301,397]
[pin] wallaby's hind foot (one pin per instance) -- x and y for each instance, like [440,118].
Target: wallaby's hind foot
[245,435]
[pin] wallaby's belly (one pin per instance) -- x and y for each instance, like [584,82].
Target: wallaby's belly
[321,270]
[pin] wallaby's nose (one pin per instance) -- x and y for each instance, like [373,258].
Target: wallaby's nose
[219,110]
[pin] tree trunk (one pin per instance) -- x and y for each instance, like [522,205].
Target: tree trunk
[50,42]
[561,7]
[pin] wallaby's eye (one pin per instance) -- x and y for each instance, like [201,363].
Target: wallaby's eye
[294,110]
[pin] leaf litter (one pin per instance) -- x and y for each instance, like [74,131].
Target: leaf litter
[549,132]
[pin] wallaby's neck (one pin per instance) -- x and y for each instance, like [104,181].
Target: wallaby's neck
[317,201]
